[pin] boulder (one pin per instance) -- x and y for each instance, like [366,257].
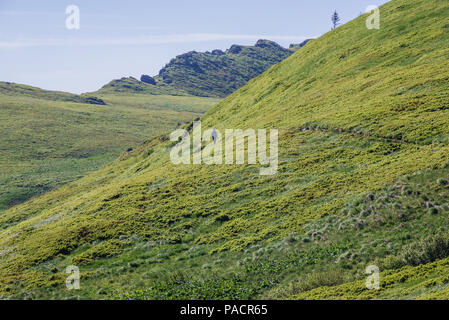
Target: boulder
[147,79]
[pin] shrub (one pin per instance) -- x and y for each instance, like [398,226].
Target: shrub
[103,250]
[222,218]
[321,279]
[425,251]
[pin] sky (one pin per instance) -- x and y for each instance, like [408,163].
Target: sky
[130,38]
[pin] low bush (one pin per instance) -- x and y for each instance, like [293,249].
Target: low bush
[322,279]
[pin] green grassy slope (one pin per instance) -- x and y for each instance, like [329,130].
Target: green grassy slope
[48,139]
[361,113]
[402,229]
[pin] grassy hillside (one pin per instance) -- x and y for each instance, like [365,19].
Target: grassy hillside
[363,169]
[51,138]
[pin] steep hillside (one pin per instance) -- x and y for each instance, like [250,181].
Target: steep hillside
[363,119]
[207,74]
[50,138]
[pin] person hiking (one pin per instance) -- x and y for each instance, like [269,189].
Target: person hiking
[214,135]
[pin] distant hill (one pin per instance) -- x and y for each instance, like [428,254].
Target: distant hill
[130,85]
[208,74]
[14,89]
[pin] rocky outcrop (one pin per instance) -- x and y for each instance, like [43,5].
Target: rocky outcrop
[218,73]
[147,79]
[209,74]
[94,100]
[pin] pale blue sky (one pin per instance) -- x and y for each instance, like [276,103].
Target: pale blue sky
[129,38]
